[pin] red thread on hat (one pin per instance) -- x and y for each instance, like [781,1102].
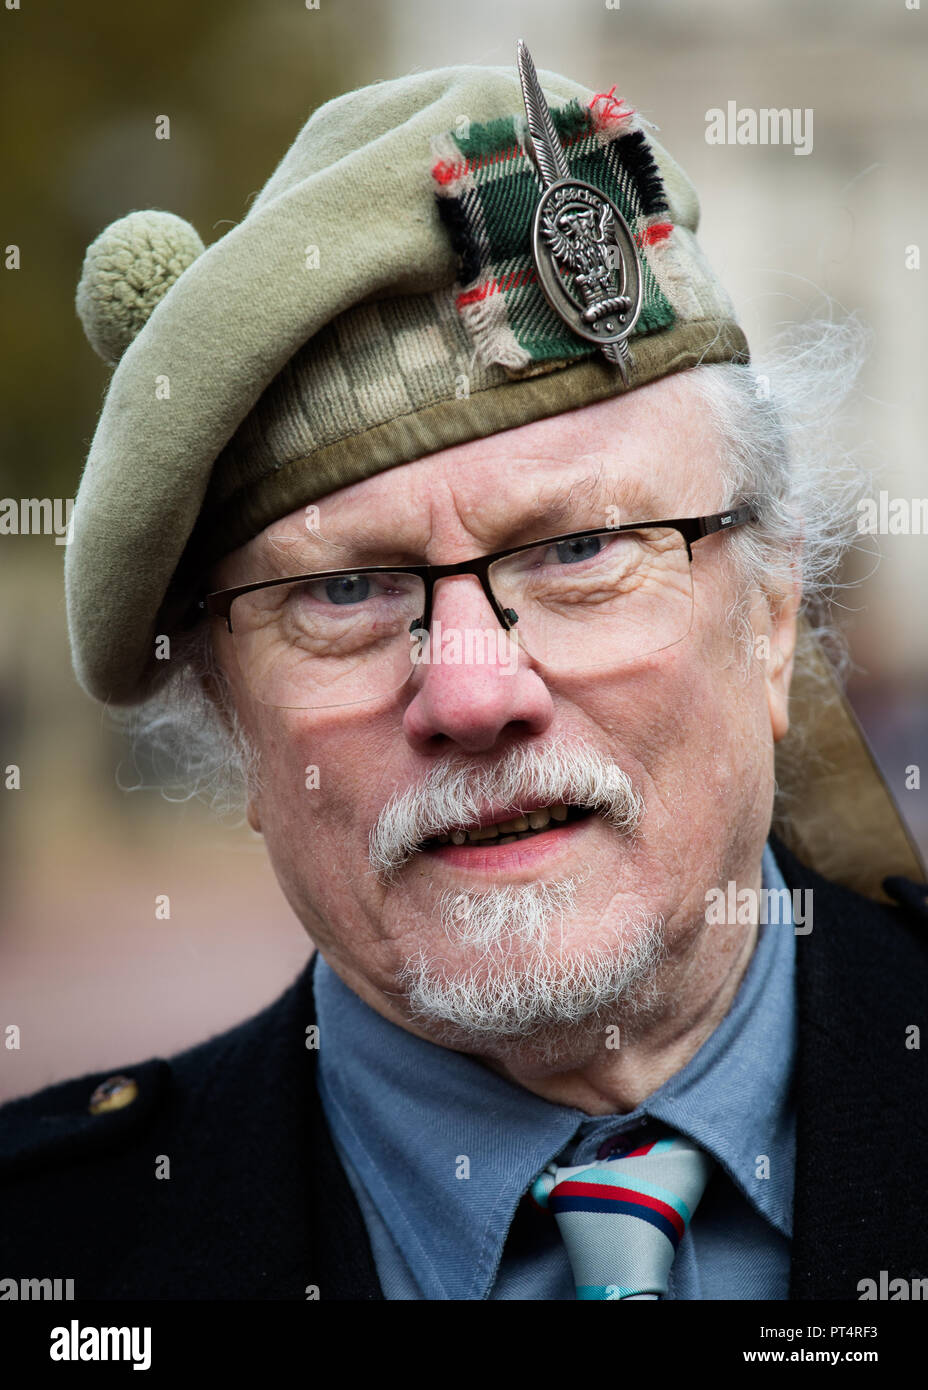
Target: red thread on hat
[658,231]
[495,286]
[611,114]
[445,172]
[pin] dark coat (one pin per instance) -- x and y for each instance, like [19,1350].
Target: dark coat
[258,1206]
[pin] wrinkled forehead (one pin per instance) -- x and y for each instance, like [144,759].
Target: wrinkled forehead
[648,456]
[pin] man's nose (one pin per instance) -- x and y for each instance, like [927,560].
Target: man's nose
[476,686]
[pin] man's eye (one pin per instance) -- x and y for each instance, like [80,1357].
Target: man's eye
[584,548]
[348,588]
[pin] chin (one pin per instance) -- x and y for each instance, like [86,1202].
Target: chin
[542,1000]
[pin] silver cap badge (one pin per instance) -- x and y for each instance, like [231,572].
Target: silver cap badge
[584,253]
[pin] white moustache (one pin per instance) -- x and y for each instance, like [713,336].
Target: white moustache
[454,794]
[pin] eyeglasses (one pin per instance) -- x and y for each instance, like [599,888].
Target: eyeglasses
[586,600]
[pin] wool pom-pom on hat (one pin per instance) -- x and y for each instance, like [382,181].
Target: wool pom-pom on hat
[127,270]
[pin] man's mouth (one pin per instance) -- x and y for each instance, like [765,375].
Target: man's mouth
[523,826]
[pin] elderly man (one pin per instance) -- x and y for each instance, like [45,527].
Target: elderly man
[440,499]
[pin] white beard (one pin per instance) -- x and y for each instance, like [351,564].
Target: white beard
[546,1001]
[515,912]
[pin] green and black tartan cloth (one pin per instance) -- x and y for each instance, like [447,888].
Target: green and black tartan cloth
[488,189]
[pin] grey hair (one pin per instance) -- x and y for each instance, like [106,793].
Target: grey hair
[192,742]
[781,422]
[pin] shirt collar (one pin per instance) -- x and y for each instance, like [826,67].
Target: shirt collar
[446,1147]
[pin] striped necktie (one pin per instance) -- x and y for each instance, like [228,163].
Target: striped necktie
[622,1218]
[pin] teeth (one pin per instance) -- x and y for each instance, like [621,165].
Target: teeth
[504,832]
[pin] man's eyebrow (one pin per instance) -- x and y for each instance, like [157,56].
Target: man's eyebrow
[574,504]
[617,500]
[316,550]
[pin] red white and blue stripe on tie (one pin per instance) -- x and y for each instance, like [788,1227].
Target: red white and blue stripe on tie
[622,1219]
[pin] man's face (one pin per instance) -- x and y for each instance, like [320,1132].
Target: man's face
[479,944]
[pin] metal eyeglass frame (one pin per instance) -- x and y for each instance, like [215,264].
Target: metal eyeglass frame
[219,603]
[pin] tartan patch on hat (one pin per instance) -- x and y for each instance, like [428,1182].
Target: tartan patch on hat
[487,191]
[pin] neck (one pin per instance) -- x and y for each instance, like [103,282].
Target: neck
[695,992]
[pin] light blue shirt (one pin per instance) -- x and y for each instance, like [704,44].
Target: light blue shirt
[409,1119]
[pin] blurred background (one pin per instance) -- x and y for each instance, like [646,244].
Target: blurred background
[88,974]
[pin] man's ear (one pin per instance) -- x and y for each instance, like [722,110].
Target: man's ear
[783,613]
